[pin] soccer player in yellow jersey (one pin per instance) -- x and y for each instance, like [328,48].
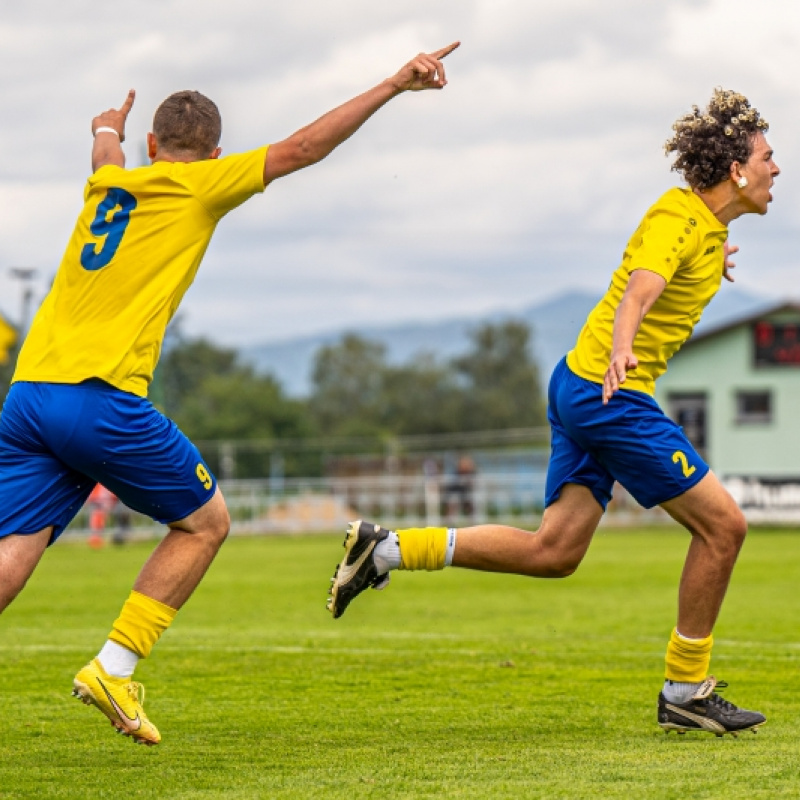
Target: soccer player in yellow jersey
[606,426]
[77,413]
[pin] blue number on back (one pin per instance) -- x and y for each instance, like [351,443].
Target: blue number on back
[113,229]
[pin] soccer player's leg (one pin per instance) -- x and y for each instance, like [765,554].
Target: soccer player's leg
[552,551]
[142,457]
[688,700]
[39,494]
[578,489]
[19,555]
[652,458]
[165,583]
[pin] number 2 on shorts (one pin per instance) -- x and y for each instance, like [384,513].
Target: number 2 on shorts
[679,455]
[113,229]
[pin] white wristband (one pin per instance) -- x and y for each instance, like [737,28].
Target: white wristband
[106,130]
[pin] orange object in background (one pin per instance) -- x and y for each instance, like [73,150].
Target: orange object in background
[100,502]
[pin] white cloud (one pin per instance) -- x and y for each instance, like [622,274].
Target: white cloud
[524,176]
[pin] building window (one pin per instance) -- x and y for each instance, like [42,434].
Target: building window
[776,344]
[690,411]
[753,407]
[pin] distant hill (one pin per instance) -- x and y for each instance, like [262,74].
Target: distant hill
[555,324]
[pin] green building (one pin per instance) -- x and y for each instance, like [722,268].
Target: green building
[735,389]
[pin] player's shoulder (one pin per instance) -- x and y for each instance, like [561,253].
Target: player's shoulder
[106,172]
[226,161]
[679,208]
[676,201]
[686,207]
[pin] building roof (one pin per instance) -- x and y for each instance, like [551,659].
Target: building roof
[748,318]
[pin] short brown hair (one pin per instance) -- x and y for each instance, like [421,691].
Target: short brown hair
[708,142]
[188,122]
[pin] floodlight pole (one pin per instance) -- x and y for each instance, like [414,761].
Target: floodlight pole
[26,276]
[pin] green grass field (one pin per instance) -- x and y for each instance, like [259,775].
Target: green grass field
[454,684]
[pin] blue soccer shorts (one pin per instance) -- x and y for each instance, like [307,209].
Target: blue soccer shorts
[58,440]
[629,440]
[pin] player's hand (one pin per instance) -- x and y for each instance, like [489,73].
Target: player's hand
[426,71]
[729,250]
[617,372]
[115,117]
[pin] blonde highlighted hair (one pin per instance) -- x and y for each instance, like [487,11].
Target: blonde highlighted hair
[708,141]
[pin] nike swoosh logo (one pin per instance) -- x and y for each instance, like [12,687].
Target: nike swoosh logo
[131,723]
[704,722]
[346,571]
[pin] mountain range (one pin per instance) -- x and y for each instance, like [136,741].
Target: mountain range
[555,324]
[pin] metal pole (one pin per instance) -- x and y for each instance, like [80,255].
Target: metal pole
[25,275]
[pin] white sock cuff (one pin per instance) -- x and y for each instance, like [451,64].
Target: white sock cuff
[679,691]
[387,554]
[689,638]
[116,660]
[450,547]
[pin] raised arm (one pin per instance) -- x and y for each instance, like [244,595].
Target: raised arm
[107,147]
[315,141]
[643,289]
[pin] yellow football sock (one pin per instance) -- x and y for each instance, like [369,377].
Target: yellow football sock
[422,548]
[688,659]
[141,623]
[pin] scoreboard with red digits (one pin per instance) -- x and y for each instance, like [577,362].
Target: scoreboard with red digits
[776,344]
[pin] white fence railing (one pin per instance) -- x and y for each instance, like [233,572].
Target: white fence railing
[294,505]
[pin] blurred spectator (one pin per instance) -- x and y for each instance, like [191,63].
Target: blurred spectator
[122,517]
[461,487]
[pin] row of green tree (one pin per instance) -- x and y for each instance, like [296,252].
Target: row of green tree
[355,390]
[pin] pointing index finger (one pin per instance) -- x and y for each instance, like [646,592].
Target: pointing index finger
[128,104]
[445,51]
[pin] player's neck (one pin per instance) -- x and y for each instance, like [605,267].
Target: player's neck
[721,202]
[169,158]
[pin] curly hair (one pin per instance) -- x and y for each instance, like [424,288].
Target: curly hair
[708,142]
[188,122]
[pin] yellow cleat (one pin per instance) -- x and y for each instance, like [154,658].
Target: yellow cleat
[119,699]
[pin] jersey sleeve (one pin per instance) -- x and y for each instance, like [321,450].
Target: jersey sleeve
[103,175]
[667,238]
[223,184]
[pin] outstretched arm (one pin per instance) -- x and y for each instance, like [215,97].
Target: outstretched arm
[643,289]
[107,147]
[312,143]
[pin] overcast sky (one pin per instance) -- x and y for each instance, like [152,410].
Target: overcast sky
[523,178]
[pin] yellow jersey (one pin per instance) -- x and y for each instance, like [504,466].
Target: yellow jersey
[681,240]
[134,252]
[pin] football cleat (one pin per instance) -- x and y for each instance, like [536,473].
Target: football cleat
[357,571]
[120,699]
[707,711]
